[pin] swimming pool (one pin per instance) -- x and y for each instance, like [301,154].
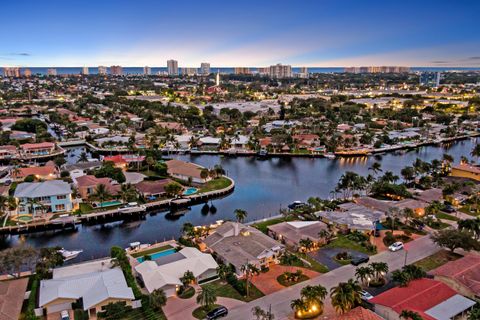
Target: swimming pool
[157,255]
[190,191]
[109,203]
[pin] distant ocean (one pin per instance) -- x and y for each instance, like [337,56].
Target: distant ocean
[224,70]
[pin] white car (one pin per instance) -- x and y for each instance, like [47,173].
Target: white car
[396,246]
[365,295]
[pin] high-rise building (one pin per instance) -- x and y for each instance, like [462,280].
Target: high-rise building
[280,71]
[189,71]
[147,70]
[242,70]
[102,70]
[116,70]
[205,68]
[430,79]
[85,71]
[377,69]
[11,72]
[217,78]
[303,72]
[263,71]
[51,72]
[172,67]
[27,73]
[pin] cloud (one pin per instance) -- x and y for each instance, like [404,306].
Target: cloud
[21,54]
[440,62]
[473,58]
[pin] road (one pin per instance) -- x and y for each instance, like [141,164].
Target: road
[280,301]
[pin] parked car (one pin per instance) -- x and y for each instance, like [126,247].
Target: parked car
[376,233]
[359,260]
[396,246]
[64,315]
[217,313]
[449,209]
[365,295]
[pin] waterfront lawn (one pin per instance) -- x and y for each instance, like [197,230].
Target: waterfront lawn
[215,184]
[151,251]
[437,259]
[262,226]
[85,208]
[343,242]
[446,216]
[224,289]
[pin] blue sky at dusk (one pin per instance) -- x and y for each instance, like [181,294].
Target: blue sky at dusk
[240,33]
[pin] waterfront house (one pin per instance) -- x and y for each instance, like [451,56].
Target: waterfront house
[41,197]
[47,172]
[185,171]
[8,152]
[12,295]
[123,161]
[238,244]
[87,185]
[290,233]
[305,141]
[462,275]
[152,189]
[90,285]
[431,299]
[37,149]
[466,170]
[166,272]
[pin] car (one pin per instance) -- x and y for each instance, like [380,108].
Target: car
[359,260]
[449,209]
[64,315]
[365,295]
[217,313]
[396,246]
[376,233]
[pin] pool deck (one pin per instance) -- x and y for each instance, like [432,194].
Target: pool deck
[171,243]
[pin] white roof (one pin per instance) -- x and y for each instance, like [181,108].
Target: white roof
[155,276]
[240,140]
[302,224]
[451,307]
[42,189]
[93,288]
[210,140]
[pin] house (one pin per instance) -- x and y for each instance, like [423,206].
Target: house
[8,152]
[359,313]
[465,170]
[37,149]
[47,196]
[90,285]
[87,185]
[152,189]
[290,233]
[185,170]
[240,142]
[237,244]
[12,295]
[306,140]
[165,272]
[47,172]
[122,161]
[431,299]
[462,275]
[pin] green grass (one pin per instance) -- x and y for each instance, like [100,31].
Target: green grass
[262,226]
[343,242]
[187,293]
[223,289]
[281,279]
[436,260]
[314,264]
[215,184]
[85,208]
[30,304]
[201,313]
[465,209]
[151,251]
[446,216]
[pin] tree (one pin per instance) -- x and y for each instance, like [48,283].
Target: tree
[173,188]
[49,258]
[13,260]
[474,313]
[204,174]
[223,271]
[476,151]
[314,295]
[101,193]
[454,239]
[187,278]
[299,305]
[241,215]
[188,229]
[207,297]
[345,296]
[113,311]
[410,315]
[364,274]
[306,243]
[261,314]
[83,157]
[470,225]
[150,162]
[108,170]
[157,299]
[249,270]
[379,269]
[408,174]
[376,167]
[407,274]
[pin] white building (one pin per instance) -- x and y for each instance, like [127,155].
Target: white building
[172,67]
[280,71]
[102,70]
[51,72]
[205,68]
[85,71]
[147,70]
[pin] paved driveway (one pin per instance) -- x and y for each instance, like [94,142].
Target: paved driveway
[280,300]
[325,256]
[267,282]
[181,309]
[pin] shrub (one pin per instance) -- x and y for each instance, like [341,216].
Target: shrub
[389,238]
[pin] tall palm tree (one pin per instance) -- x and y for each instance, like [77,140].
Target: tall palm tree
[379,269]
[83,157]
[376,167]
[476,151]
[410,315]
[364,274]
[33,204]
[223,271]
[313,294]
[127,192]
[306,243]
[249,270]
[241,215]
[157,299]
[101,193]
[345,296]
[207,297]
[188,278]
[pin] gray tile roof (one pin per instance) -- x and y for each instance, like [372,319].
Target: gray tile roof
[42,189]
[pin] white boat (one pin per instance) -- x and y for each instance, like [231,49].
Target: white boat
[132,207]
[329,156]
[69,255]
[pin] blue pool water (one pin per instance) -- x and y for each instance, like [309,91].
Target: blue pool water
[189,191]
[109,203]
[157,255]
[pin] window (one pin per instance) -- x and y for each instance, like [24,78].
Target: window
[59,207]
[61,197]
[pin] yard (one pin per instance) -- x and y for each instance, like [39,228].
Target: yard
[437,259]
[223,289]
[262,226]
[151,251]
[215,184]
[446,216]
[343,242]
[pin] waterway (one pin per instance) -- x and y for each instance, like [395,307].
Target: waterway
[262,188]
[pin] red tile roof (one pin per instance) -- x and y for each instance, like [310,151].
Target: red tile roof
[36,171]
[419,296]
[465,271]
[152,187]
[40,145]
[359,313]
[92,181]
[12,293]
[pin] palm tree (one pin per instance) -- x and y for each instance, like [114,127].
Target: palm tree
[306,243]
[33,204]
[313,295]
[379,270]
[223,271]
[207,297]
[325,234]
[188,229]
[470,225]
[249,270]
[150,162]
[188,278]
[364,274]
[101,193]
[240,215]
[476,151]
[345,296]
[157,299]
[299,305]
[376,167]
[410,315]
[127,192]
[83,157]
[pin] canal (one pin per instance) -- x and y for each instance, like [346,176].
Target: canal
[262,188]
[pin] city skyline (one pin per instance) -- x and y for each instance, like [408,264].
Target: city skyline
[313,34]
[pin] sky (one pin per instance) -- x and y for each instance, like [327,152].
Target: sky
[229,33]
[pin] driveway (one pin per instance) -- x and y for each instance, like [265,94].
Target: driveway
[267,282]
[133,177]
[181,309]
[280,300]
[325,256]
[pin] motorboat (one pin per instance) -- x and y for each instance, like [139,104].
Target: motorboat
[329,156]
[69,255]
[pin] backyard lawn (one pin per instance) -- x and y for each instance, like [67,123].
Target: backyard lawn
[343,242]
[215,184]
[437,259]
[262,226]
[224,289]
[151,251]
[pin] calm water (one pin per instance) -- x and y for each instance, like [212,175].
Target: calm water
[262,187]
